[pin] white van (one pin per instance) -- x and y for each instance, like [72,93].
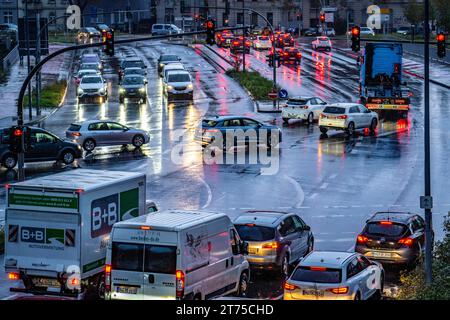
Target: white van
[165,29]
[176,254]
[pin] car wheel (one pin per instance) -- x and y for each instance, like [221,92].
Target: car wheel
[243,286]
[89,145]
[9,161]
[323,130]
[284,268]
[373,125]
[358,296]
[138,141]
[68,157]
[310,118]
[144,100]
[121,99]
[351,129]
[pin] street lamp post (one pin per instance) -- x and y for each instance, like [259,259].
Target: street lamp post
[243,36]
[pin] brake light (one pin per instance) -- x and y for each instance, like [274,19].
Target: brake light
[362,239]
[108,277]
[305,107]
[386,222]
[318,268]
[145,228]
[13,276]
[212,130]
[342,117]
[340,290]
[286,54]
[322,116]
[270,245]
[76,134]
[236,43]
[299,54]
[179,283]
[289,287]
[250,224]
[406,241]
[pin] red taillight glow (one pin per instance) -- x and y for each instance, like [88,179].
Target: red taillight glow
[322,116]
[270,245]
[250,224]
[13,276]
[289,287]
[340,290]
[342,117]
[406,241]
[318,268]
[108,268]
[386,222]
[145,228]
[76,134]
[179,283]
[362,239]
[108,277]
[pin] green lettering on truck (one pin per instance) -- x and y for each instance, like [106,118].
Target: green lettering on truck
[94,265]
[129,204]
[43,201]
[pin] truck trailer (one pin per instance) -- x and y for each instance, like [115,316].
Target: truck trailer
[58,226]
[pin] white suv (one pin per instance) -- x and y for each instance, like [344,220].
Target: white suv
[92,87]
[307,109]
[347,117]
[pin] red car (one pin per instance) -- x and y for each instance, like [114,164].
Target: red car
[224,39]
[283,40]
[290,55]
[237,45]
[288,40]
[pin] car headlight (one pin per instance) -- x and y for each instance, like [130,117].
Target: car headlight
[80,91]
[169,87]
[142,89]
[121,90]
[101,90]
[161,65]
[190,86]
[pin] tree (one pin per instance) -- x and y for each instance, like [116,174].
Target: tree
[414,12]
[413,283]
[442,12]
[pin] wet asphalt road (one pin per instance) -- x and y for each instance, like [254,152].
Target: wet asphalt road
[335,183]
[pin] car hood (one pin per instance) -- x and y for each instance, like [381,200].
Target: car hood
[179,84]
[133,86]
[91,86]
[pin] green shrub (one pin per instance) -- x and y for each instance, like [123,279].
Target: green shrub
[258,86]
[51,95]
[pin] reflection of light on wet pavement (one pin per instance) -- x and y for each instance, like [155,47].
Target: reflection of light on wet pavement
[81,114]
[143,117]
[122,114]
[103,111]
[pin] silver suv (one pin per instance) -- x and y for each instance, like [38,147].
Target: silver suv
[93,133]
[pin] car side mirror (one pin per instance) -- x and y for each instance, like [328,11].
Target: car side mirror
[307,228]
[243,247]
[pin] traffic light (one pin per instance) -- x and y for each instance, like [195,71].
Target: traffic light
[440,38]
[210,31]
[16,139]
[322,17]
[356,39]
[109,43]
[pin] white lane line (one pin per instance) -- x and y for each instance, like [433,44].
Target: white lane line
[324,185]
[208,189]
[315,194]
[298,188]
[11,297]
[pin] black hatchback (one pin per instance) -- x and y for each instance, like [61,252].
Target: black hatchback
[44,146]
[393,237]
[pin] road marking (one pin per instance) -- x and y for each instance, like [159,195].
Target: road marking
[11,297]
[300,193]
[208,189]
[315,194]
[324,185]
[333,176]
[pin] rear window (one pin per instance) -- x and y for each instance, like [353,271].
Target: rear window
[74,127]
[297,102]
[383,229]
[157,27]
[209,123]
[255,233]
[169,58]
[179,77]
[305,274]
[130,257]
[334,110]
[133,64]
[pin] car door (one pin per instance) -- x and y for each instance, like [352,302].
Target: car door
[118,133]
[99,131]
[290,236]
[355,116]
[318,107]
[357,277]
[229,130]
[235,259]
[44,146]
[303,235]
[418,232]
[366,115]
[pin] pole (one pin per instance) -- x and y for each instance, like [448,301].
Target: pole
[428,214]
[243,36]
[38,59]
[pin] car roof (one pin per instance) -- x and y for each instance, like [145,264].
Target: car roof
[302,98]
[92,76]
[177,71]
[132,59]
[343,105]
[262,218]
[173,65]
[397,217]
[133,68]
[327,259]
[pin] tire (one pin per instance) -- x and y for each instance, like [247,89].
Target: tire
[358,296]
[286,120]
[323,130]
[284,267]
[243,285]
[373,125]
[144,100]
[89,145]
[310,245]
[121,99]
[351,129]
[68,157]
[310,118]
[138,141]
[9,161]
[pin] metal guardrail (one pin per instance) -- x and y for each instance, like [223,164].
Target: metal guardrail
[10,58]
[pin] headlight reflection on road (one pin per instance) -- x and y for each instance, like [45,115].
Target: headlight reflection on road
[122,114]
[103,111]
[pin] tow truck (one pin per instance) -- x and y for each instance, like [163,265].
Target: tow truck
[381,87]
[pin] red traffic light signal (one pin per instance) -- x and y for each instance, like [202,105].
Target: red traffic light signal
[210,24]
[440,45]
[440,37]
[322,17]
[355,31]
[356,39]
[18,132]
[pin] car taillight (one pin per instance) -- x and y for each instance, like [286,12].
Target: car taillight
[76,134]
[286,54]
[270,245]
[289,287]
[299,55]
[406,241]
[108,277]
[179,283]
[305,107]
[13,276]
[342,117]
[212,131]
[322,116]
[340,290]
[362,239]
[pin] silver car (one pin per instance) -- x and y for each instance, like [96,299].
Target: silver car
[93,133]
[332,275]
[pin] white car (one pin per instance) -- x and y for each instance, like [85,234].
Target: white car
[330,32]
[331,275]
[321,43]
[262,43]
[367,31]
[308,109]
[170,67]
[92,87]
[178,83]
[348,117]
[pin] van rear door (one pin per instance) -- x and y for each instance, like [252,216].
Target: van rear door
[160,265]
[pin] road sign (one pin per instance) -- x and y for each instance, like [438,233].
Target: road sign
[283,94]
[273,95]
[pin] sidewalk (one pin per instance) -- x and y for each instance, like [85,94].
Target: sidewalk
[55,70]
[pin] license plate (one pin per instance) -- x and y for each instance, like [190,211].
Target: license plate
[127,290]
[382,254]
[46,282]
[253,250]
[312,292]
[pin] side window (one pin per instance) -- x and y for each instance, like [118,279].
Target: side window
[232,123]
[352,268]
[42,137]
[363,263]
[115,126]
[287,227]
[354,110]
[299,224]
[416,225]
[421,222]
[234,242]
[98,126]
[362,109]
[250,123]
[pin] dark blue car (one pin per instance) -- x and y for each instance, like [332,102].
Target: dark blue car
[242,130]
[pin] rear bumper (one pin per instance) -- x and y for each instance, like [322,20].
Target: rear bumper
[390,107]
[397,256]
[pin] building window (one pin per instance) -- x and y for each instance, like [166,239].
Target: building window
[8,16]
[169,17]
[240,18]
[254,19]
[270,17]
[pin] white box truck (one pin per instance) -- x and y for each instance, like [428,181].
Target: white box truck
[58,226]
[176,254]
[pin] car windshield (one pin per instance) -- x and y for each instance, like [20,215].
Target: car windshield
[134,71]
[89,66]
[297,102]
[166,58]
[91,80]
[251,232]
[386,229]
[334,110]
[321,275]
[179,77]
[133,80]
[131,64]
